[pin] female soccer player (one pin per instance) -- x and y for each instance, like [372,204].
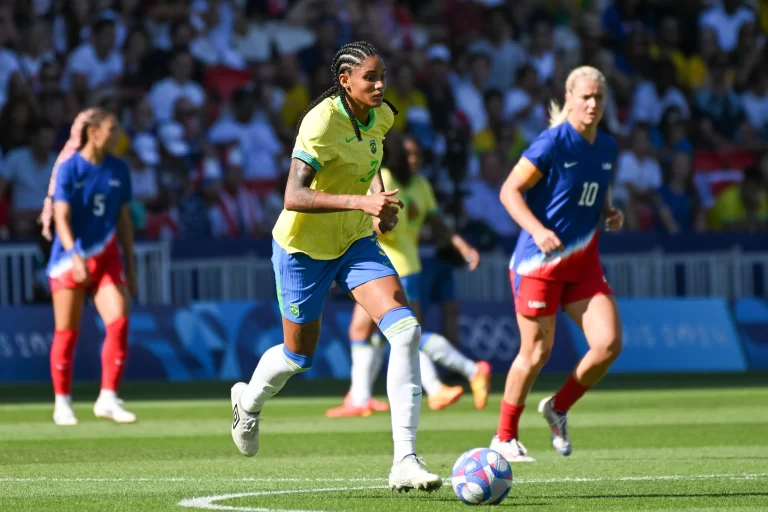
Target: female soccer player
[558,192]
[90,208]
[325,234]
[402,247]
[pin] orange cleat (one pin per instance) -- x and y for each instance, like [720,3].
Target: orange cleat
[348,411]
[481,384]
[375,405]
[446,396]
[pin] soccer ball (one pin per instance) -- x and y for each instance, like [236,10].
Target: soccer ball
[481,476]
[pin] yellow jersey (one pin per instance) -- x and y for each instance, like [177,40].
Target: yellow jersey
[402,243]
[344,165]
[729,209]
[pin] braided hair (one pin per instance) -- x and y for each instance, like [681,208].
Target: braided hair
[349,56]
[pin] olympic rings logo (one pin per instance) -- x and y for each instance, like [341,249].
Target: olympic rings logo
[490,337]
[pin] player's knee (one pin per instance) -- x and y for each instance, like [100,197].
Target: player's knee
[608,346]
[534,359]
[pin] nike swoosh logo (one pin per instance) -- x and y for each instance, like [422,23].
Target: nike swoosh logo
[350,139]
[417,394]
[569,164]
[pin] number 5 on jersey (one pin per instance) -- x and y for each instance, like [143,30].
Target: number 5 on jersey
[98,204]
[589,193]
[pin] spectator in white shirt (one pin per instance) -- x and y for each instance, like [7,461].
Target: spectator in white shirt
[482,201]
[653,97]
[27,170]
[9,61]
[540,54]
[755,102]
[95,64]
[252,133]
[469,92]
[523,106]
[506,55]
[638,174]
[726,19]
[166,92]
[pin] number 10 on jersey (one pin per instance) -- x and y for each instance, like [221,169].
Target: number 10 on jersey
[589,193]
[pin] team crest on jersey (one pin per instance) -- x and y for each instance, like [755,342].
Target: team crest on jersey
[294,309]
[373,146]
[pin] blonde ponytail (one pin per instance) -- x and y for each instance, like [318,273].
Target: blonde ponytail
[559,114]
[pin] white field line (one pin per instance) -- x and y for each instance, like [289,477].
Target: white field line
[732,476]
[208,502]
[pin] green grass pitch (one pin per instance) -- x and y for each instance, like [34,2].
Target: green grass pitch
[640,443]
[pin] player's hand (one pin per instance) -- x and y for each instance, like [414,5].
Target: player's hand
[547,241]
[614,219]
[382,205]
[80,271]
[387,223]
[472,257]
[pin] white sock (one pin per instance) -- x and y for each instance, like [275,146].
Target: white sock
[403,332]
[429,379]
[362,360]
[379,355]
[275,367]
[64,400]
[443,353]
[107,394]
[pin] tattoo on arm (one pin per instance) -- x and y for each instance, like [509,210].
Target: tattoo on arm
[377,183]
[299,197]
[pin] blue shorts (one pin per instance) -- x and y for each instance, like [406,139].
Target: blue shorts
[412,286]
[303,283]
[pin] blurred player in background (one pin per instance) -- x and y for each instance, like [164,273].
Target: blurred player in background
[325,234]
[89,204]
[401,245]
[558,193]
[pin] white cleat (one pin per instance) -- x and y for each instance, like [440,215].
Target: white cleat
[512,450]
[409,473]
[111,408]
[63,413]
[558,423]
[245,425]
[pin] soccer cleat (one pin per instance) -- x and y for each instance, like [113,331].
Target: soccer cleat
[409,473]
[348,411]
[111,408]
[558,423]
[444,397]
[481,384]
[373,404]
[63,413]
[245,425]
[512,450]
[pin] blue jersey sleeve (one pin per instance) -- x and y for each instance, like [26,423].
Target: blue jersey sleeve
[541,152]
[64,182]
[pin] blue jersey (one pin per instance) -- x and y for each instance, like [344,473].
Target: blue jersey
[96,195]
[568,200]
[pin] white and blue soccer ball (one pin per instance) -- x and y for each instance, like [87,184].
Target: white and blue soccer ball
[481,476]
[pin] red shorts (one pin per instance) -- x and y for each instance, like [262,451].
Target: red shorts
[105,269]
[541,297]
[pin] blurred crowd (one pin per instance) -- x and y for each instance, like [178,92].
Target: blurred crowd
[208,93]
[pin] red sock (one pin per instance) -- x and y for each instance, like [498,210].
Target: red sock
[62,360]
[113,354]
[568,395]
[509,420]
